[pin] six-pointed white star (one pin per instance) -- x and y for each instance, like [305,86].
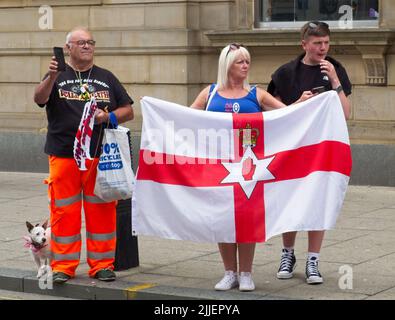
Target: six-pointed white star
[235,170]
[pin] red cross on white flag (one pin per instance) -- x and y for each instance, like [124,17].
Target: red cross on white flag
[222,177]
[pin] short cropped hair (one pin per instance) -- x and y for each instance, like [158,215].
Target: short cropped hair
[69,35]
[227,57]
[315,28]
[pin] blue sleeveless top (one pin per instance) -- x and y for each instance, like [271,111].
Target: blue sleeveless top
[246,104]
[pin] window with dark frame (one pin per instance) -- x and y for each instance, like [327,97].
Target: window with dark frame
[323,10]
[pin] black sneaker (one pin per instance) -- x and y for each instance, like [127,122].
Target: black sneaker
[60,277]
[105,275]
[313,276]
[287,265]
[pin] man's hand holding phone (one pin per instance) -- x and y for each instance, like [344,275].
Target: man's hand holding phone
[59,56]
[57,64]
[53,67]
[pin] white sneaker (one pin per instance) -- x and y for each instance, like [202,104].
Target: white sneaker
[228,282]
[246,283]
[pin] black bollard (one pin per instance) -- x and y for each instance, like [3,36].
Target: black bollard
[126,253]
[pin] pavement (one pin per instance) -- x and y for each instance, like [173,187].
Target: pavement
[357,259]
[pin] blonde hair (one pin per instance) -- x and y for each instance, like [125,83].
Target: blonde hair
[226,59]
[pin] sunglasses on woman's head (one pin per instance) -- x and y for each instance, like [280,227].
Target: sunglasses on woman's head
[234,46]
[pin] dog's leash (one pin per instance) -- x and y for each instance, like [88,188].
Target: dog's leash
[51,225]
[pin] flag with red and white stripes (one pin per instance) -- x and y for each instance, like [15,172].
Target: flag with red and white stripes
[223,177]
[82,141]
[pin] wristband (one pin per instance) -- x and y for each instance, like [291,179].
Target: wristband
[113,120]
[339,89]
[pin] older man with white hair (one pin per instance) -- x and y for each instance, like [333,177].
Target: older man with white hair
[65,95]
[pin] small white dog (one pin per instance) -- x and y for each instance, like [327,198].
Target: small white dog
[39,243]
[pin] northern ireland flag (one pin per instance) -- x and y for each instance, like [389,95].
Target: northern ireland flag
[223,177]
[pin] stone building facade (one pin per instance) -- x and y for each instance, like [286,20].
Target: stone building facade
[169,49]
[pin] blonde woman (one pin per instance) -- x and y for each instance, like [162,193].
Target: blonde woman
[232,93]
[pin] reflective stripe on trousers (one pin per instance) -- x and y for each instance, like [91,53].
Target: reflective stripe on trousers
[66,200]
[96,241]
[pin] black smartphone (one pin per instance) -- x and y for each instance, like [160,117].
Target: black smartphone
[59,55]
[318,89]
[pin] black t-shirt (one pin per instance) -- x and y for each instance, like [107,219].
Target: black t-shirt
[65,106]
[309,77]
[290,80]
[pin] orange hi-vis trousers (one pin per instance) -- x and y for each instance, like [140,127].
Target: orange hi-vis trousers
[69,189]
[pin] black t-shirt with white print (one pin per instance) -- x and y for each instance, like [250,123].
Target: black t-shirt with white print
[291,79]
[65,107]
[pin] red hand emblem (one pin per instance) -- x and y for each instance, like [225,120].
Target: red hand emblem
[248,169]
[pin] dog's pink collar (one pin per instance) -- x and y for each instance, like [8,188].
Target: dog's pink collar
[35,247]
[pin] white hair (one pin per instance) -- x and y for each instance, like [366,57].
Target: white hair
[70,34]
[226,59]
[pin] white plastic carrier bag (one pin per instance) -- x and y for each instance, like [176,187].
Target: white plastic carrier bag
[115,178]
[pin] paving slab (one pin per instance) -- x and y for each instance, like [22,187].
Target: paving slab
[363,241]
